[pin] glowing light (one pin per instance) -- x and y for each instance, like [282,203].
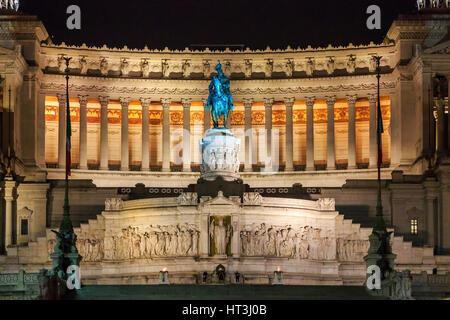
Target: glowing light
[165,269]
[278,269]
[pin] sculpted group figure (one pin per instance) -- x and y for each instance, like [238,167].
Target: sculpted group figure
[304,243]
[352,250]
[154,241]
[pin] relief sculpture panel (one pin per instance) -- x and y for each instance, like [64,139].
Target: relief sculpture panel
[153,241]
[304,242]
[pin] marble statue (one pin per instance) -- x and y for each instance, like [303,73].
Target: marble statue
[10,4]
[221,235]
[220,100]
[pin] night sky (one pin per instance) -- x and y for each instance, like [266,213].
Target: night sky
[180,23]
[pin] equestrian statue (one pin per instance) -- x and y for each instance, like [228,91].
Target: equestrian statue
[220,100]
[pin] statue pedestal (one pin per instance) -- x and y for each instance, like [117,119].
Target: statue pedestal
[220,151]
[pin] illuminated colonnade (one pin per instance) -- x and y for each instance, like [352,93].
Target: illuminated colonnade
[164,135]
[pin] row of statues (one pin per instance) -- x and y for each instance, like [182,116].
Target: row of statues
[421,4]
[9,4]
[303,243]
[183,240]
[153,241]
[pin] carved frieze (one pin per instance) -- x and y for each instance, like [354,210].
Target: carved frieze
[304,242]
[153,241]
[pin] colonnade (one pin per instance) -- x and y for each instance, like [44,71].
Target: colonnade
[248,104]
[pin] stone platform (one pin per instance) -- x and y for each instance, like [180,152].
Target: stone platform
[222,292]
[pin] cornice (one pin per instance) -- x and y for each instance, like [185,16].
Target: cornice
[247,50]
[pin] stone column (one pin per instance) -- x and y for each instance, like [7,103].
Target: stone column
[331,159]
[268,103]
[248,103]
[62,130]
[145,161]
[9,187]
[125,154]
[441,148]
[186,134]
[204,235]
[235,238]
[289,103]
[351,100]
[83,100]
[373,149]
[40,128]
[431,193]
[206,117]
[448,117]
[310,133]
[428,134]
[166,135]
[104,132]
[396,130]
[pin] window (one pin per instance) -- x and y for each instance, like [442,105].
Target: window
[24,227]
[414,226]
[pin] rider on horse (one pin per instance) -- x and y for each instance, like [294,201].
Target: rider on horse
[220,100]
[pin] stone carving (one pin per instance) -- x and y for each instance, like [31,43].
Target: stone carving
[326,204]
[310,66]
[400,282]
[221,234]
[165,68]
[153,241]
[269,68]
[104,66]
[9,4]
[186,68]
[289,67]
[113,204]
[61,64]
[372,64]
[124,67]
[330,65]
[352,250]
[187,199]
[351,64]
[83,65]
[220,155]
[206,69]
[304,243]
[145,68]
[90,248]
[253,198]
[248,68]
[227,68]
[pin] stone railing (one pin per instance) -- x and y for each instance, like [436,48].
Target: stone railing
[431,280]
[19,285]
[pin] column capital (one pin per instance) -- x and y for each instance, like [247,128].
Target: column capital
[248,102]
[61,98]
[124,101]
[83,99]
[373,98]
[289,102]
[104,100]
[331,100]
[145,102]
[268,102]
[310,101]
[166,103]
[186,102]
[351,98]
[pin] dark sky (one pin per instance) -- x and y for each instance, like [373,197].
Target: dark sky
[179,23]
